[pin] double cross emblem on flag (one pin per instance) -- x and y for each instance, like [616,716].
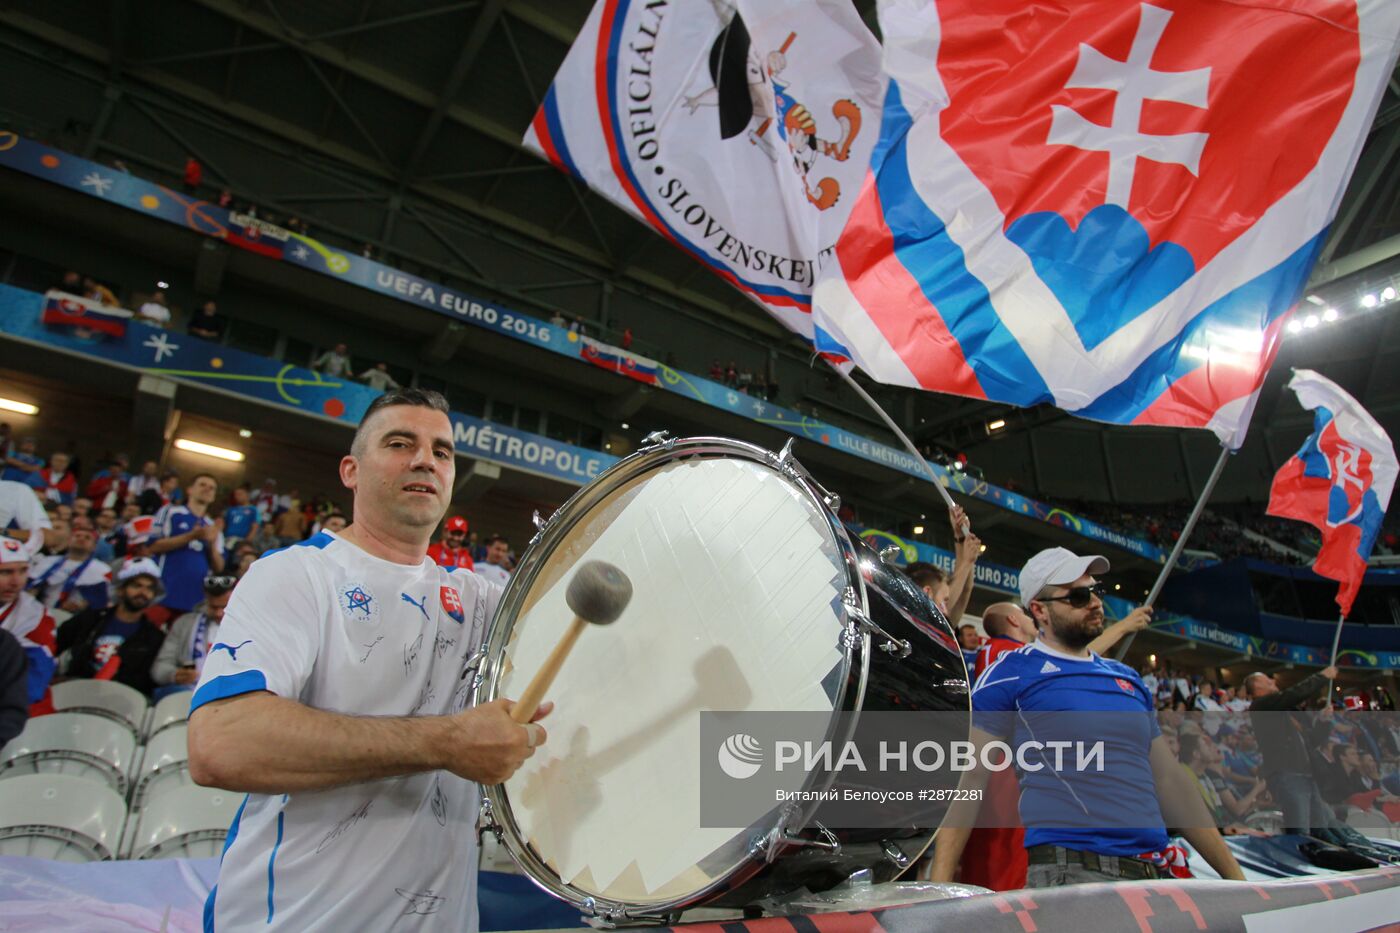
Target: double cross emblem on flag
[1339,481]
[1107,205]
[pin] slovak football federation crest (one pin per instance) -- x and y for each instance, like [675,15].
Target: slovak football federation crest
[357,603]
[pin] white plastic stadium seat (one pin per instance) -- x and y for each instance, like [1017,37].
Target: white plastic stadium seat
[76,744]
[183,822]
[166,764]
[103,698]
[1371,823]
[61,817]
[1269,821]
[171,709]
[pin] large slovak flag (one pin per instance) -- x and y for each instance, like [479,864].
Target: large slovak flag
[739,130]
[1339,481]
[1107,205]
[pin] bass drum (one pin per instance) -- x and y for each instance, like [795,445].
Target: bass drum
[748,595]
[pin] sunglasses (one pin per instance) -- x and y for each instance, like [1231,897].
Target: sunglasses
[215,585]
[1078,596]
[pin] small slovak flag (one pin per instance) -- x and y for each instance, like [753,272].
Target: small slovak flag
[452,604]
[1339,481]
[83,317]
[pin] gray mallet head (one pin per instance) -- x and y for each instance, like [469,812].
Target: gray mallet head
[598,592]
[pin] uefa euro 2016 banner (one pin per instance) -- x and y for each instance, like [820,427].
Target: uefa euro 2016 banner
[249,233]
[190,359]
[1110,206]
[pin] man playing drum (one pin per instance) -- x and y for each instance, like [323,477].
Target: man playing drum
[335,697]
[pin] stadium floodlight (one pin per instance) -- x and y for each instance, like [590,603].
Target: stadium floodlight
[1388,293]
[1329,315]
[996,425]
[1316,300]
[918,529]
[162,285]
[1369,301]
[1295,326]
[626,426]
[244,432]
[1310,320]
[24,408]
[208,450]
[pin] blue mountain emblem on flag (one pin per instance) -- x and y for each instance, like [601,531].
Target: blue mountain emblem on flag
[1106,273]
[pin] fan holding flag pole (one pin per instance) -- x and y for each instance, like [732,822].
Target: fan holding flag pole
[1083,203]
[1339,482]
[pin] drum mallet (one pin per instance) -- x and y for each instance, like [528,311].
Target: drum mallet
[597,594]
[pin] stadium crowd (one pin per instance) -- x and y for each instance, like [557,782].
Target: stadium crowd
[123,575]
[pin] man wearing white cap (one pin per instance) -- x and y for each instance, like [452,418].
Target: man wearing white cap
[28,620]
[1082,824]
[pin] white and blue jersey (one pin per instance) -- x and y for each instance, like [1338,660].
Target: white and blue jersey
[183,570]
[332,627]
[1031,695]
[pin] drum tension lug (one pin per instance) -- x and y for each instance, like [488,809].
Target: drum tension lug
[540,524]
[473,667]
[898,647]
[767,845]
[786,463]
[894,853]
[604,918]
[661,439]
[486,822]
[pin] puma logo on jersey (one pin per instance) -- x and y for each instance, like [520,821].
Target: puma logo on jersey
[231,649]
[420,604]
[1049,668]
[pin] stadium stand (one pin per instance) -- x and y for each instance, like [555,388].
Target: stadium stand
[201,278]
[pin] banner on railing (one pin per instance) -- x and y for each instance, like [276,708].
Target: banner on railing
[190,359]
[276,243]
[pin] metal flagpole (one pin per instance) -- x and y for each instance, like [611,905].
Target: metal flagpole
[889,422]
[1336,643]
[1180,543]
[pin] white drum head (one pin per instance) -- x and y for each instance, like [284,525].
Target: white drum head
[737,580]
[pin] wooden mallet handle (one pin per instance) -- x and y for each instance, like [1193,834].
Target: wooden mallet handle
[598,594]
[530,700]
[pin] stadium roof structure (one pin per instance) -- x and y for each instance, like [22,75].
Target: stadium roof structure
[399,125]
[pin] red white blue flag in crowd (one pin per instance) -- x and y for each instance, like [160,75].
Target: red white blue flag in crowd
[740,130]
[1107,205]
[82,317]
[1339,481]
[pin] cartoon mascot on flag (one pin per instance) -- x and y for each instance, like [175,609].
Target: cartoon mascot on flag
[753,98]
